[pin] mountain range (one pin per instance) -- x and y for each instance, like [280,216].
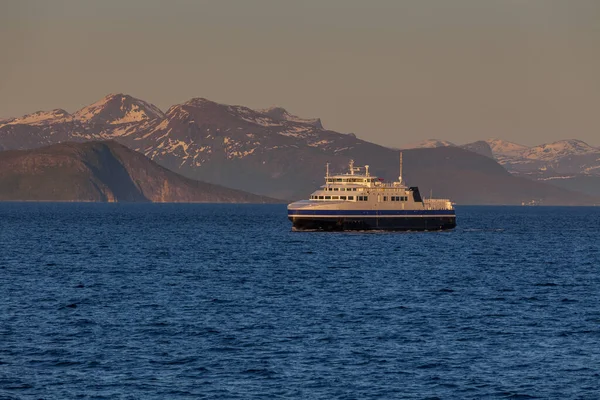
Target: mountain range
[272,152]
[571,164]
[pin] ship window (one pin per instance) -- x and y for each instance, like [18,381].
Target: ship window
[342,197]
[384,198]
[338,179]
[327,197]
[335,198]
[354,189]
[350,197]
[365,198]
[335,189]
[321,197]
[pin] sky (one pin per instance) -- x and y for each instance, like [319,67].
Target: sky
[393,72]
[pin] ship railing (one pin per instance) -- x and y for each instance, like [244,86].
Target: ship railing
[438,204]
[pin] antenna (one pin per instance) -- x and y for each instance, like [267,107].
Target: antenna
[366,170]
[327,170]
[400,177]
[351,167]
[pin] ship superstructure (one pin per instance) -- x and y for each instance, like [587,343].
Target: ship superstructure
[356,200]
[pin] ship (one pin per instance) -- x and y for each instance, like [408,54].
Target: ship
[356,200]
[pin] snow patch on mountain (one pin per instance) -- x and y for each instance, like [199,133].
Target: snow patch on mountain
[429,143]
[505,148]
[40,118]
[319,143]
[561,148]
[281,114]
[252,116]
[116,109]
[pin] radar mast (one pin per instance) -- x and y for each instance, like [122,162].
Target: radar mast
[400,177]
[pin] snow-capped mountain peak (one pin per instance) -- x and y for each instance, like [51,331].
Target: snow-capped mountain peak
[117,109]
[40,118]
[274,117]
[429,143]
[561,148]
[200,101]
[505,148]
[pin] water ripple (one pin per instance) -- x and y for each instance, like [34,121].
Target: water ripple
[226,302]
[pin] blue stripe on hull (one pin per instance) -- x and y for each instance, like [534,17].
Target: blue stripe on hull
[371,212]
[371,223]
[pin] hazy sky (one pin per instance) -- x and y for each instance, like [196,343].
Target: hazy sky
[394,72]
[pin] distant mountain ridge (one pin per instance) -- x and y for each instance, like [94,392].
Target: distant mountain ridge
[571,164]
[271,151]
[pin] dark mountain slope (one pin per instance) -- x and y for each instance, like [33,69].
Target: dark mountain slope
[101,171]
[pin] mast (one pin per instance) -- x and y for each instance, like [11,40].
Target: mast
[400,177]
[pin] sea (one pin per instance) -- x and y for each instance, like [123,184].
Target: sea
[215,301]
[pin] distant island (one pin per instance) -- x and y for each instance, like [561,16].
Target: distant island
[270,152]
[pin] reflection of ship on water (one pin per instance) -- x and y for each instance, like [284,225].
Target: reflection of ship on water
[531,203]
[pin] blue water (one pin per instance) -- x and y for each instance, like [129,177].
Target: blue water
[225,302]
